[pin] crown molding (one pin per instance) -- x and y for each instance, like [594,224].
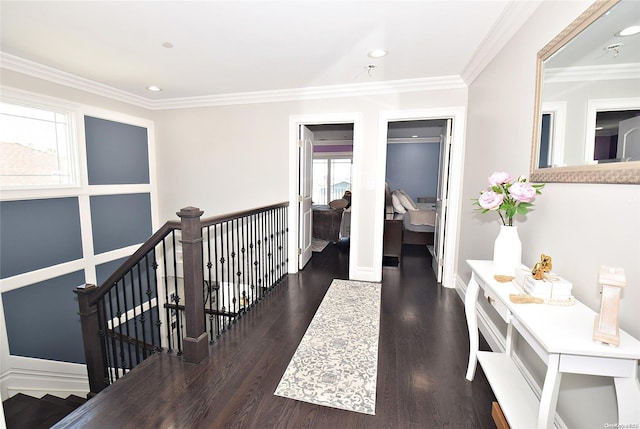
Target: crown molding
[31,68]
[592,73]
[514,15]
[315,92]
[20,65]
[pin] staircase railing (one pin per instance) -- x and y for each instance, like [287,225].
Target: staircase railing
[182,289]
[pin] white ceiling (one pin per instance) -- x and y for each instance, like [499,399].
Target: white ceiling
[239,47]
[589,48]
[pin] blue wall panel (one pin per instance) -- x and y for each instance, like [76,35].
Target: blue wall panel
[116,153]
[120,220]
[414,168]
[38,234]
[42,319]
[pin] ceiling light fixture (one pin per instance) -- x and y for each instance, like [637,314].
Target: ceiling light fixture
[615,47]
[377,53]
[414,137]
[629,31]
[154,88]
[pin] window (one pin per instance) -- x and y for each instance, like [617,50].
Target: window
[331,178]
[36,147]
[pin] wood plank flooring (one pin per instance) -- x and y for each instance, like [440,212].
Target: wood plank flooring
[422,361]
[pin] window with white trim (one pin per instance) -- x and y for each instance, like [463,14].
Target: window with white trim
[37,146]
[331,178]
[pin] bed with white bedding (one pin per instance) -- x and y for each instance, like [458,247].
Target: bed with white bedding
[418,219]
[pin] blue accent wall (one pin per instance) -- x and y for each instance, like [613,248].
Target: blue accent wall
[42,319]
[116,153]
[38,234]
[413,167]
[120,220]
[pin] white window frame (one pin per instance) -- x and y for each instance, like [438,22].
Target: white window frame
[72,111]
[329,158]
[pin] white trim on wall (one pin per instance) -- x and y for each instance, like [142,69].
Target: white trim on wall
[40,376]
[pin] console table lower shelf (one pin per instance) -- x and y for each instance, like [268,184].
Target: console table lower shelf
[518,402]
[561,336]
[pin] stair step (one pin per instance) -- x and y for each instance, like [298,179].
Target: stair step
[58,401]
[75,400]
[24,411]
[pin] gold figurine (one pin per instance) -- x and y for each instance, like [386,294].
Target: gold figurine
[542,267]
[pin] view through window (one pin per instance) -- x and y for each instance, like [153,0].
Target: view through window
[36,148]
[331,178]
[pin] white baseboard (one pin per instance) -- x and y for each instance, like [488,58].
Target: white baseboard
[38,377]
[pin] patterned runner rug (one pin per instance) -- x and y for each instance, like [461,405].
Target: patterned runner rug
[336,362]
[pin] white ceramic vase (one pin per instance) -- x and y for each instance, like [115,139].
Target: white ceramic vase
[507,251]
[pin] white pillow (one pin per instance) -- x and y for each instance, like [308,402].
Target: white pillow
[406,200]
[397,207]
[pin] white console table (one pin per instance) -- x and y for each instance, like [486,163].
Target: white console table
[562,337]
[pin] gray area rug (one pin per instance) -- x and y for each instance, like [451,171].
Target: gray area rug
[336,363]
[318,245]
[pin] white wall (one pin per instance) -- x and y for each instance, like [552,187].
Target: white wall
[580,225]
[227,158]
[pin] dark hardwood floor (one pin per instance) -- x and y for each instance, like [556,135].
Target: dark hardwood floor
[422,361]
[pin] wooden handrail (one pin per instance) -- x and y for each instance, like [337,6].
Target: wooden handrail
[132,260]
[213,220]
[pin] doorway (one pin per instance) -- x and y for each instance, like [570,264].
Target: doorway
[449,123]
[416,174]
[333,138]
[326,157]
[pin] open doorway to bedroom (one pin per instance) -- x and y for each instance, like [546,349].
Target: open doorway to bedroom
[326,176]
[416,179]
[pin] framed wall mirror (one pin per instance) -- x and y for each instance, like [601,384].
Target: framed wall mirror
[587,113]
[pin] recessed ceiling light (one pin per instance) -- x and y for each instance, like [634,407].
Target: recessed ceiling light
[414,137]
[167,45]
[377,53]
[629,31]
[154,88]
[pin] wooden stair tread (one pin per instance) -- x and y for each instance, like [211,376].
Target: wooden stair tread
[24,411]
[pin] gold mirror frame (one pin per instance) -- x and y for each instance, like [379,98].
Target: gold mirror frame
[623,172]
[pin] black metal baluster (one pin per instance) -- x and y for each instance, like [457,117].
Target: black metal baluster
[245,278]
[126,320]
[120,341]
[234,286]
[154,265]
[265,250]
[224,284]
[260,255]
[148,292]
[286,241]
[102,333]
[209,286]
[271,248]
[143,318]
[251,238]
[134,306]
[176,297]
[217,279]
[280,243]
[112,336]
[166,296]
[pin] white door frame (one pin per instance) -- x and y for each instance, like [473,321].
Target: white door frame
[318,119]
[455,175]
